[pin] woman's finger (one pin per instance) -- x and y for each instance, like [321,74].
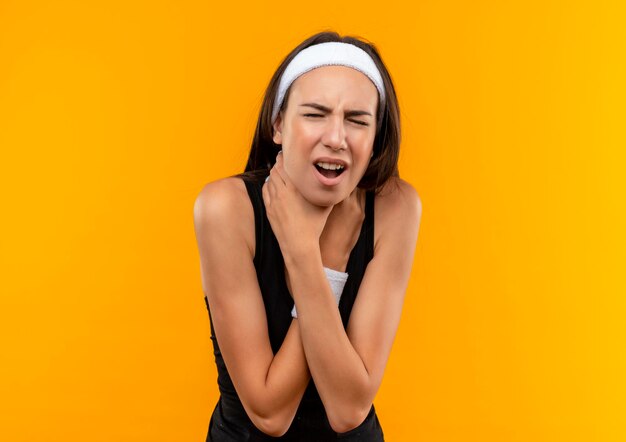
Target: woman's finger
[266,193]
[278,167]
[271,183]
[281,170]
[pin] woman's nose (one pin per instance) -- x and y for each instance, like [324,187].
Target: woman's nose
[335,134]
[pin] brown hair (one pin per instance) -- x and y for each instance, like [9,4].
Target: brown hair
[384,163]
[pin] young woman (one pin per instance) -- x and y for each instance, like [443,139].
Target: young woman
[306,256]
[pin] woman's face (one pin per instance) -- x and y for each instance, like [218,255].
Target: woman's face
[330,117]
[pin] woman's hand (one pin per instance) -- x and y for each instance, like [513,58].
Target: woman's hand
[297,224]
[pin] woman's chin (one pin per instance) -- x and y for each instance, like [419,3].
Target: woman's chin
[322,197]
[322,200]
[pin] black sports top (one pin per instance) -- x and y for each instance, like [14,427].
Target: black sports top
[229,421]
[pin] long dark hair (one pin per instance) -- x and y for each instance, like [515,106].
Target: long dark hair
[384,163]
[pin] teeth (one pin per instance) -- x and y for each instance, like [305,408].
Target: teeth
[330,166]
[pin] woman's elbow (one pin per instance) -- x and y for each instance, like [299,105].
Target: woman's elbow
[272,426]
[344,422]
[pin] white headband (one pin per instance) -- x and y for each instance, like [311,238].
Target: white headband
[327,54]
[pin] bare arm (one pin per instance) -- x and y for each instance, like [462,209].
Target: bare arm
[269,386]
[348,366]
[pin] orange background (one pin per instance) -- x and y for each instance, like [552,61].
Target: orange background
[114,115]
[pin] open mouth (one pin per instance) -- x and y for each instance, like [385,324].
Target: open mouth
[329,173]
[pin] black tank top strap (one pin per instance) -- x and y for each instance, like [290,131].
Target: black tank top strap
[360,256]
[256,197]
[369,227]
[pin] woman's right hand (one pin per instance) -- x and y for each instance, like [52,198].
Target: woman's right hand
[297,224]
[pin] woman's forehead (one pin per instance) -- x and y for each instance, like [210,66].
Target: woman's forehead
[330,81]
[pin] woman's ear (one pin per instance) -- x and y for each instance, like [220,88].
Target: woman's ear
[278,129]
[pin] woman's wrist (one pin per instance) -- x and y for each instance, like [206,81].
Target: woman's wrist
[302,252]
[337,281]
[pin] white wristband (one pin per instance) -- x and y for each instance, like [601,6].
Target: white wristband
[337,282]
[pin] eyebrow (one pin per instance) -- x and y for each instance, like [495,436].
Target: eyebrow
[349,113]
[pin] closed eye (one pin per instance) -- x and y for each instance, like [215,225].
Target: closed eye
[362,123]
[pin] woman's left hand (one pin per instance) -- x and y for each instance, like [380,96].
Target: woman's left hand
[297,223]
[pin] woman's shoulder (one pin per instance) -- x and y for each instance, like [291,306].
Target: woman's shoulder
[398,197]
[229,190]
[224,206]
[396,206]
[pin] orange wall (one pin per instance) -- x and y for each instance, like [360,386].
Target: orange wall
[113,116]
